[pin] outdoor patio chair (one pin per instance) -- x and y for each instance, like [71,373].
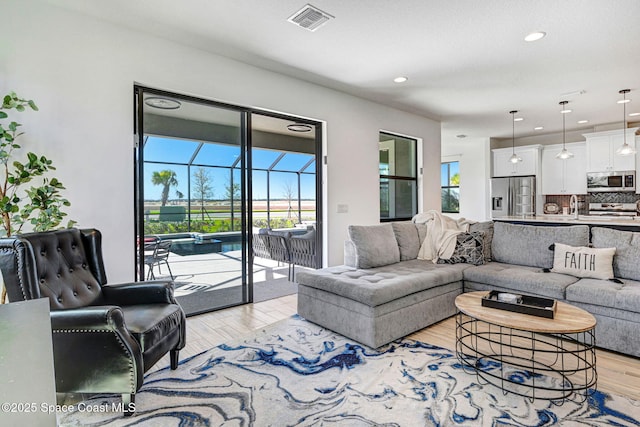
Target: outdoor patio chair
[105,337]
[272,245]
[303,251]
[156,253]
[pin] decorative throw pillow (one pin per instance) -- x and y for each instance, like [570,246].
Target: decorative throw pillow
[596,263]
[469,249]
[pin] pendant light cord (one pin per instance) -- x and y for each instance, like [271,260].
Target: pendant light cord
[624,118]
[564,132]
[513,131]
[626,149]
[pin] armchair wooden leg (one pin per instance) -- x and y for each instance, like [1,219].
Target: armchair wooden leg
[173,354]
[128,404]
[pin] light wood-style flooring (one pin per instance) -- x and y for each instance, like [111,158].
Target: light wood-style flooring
[617,373]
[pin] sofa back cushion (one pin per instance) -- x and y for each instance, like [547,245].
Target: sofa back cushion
[626,262]
[374,245]
[408,239]
[529,244]
[487,228]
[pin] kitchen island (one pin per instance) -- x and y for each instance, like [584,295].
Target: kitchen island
[622,223]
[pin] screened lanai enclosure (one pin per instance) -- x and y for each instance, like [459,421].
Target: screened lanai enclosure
[226,200]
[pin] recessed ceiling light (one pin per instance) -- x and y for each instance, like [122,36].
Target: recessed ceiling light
[634,114]
[299,127]
[518,119]
[624,101]
[537,35]
[538,128]
[461,136]
[583,121]
[565,111]
[401,79]
[162,103]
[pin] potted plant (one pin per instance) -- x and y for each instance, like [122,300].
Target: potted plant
[26,195]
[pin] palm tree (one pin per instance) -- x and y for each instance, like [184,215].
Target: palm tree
[166,178]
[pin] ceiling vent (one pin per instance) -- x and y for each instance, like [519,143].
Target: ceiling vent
[310,18]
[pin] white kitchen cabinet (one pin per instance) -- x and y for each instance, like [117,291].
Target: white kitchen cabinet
[529,165]
[601,151]
[564,176]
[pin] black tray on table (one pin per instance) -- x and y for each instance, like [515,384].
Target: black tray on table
[526,304]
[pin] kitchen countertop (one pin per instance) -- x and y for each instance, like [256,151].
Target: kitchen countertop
[569,219]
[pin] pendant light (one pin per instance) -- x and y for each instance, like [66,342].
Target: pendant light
[625,149]
[564,154]
[514,157]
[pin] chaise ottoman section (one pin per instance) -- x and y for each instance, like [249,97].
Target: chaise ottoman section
[378,305]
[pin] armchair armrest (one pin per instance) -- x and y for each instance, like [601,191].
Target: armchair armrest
[89,340]
[104,317]
[150,292]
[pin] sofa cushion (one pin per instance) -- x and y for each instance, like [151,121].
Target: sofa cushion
[375,245]
[469,249]
[381,285]
[529,244]
[596,263]
[521,279]
[487,228]
[408,239]
[626,262]
[606,293]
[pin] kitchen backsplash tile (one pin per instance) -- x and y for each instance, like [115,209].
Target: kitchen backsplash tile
[613,197]
[563,202]
[585,199]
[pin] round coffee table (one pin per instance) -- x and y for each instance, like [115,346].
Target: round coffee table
[535,357]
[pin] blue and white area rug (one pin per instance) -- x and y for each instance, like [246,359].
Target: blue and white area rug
[295,373]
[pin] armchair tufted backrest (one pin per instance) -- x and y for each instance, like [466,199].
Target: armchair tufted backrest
[63,265]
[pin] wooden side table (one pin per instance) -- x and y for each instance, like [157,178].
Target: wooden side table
[512,350]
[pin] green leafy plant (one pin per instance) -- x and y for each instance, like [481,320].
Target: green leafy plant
[41,204]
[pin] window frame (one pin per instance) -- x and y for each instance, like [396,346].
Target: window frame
[389,178]
[449,187]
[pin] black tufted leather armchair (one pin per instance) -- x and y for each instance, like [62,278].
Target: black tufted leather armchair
[104,336]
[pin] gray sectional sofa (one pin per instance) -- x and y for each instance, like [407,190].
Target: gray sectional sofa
[383,292]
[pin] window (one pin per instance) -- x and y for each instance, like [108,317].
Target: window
[450,183]
[398,180]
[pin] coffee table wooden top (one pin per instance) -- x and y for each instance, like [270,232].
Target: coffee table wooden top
[568,319]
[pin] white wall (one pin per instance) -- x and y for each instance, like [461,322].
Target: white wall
[475,171]
[81,74]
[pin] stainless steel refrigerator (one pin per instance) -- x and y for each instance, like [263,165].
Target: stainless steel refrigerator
[513,196]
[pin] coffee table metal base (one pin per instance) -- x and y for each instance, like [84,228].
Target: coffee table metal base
[556,367]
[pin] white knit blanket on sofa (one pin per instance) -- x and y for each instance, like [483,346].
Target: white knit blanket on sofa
[440,241]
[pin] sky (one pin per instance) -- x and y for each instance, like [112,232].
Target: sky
[454,169]
[180,152]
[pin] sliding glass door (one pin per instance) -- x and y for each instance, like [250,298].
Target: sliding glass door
[284,203]
[192,199]
[214,183]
